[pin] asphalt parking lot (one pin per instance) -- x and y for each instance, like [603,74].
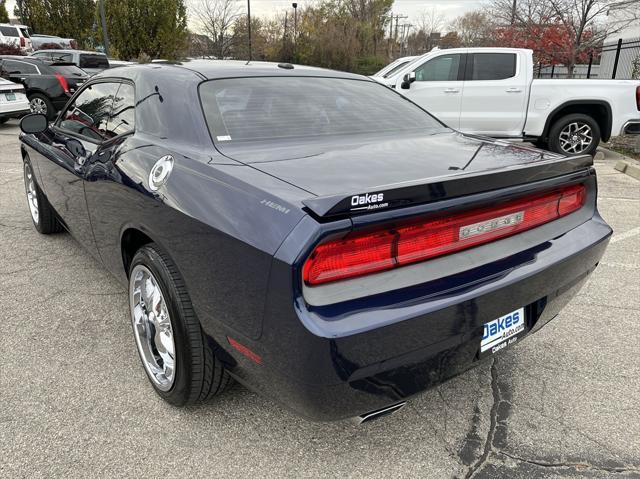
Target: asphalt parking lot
[75,401]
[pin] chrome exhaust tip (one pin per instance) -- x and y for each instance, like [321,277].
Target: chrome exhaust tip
[379,414]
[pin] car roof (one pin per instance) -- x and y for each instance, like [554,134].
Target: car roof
[21,58]
[70,50]
[216,69]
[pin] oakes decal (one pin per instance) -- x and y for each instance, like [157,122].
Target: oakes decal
[368,202]
[499,325]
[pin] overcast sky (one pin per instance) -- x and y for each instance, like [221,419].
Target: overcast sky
[450,8]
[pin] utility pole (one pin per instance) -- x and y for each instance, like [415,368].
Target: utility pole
[105,36]
[295,29]
[249,26]
[513,12]
[392,37]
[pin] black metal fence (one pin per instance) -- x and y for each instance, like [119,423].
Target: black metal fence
[618,59]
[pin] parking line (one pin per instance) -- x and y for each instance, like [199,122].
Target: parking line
[628,234]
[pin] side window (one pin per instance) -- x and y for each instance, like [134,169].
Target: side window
[442,68]
[493,66]
[13,66]
[123,117]
[8,31]
[89,114]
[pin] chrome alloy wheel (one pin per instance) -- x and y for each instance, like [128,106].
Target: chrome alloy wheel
[576,137]
[152,327]
[37,105]
[32,196]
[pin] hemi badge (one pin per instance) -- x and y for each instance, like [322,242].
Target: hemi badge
[491,225]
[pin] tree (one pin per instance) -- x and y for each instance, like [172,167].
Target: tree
[430,23]
[573,28]
[450,40]
[4,15]
[157,28]
[215,19]
[474,29]
[63,18]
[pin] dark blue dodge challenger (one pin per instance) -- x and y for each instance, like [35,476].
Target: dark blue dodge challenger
[309,233]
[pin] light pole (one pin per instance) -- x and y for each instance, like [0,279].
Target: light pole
[295,29]
[105,36]
[249,26]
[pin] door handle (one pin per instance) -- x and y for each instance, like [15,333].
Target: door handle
[452,90]
[514,90]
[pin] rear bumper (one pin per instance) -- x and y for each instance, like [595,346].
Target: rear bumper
[15,114]
[632,127]
[436,337]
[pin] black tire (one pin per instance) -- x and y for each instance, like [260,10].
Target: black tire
[198,374]
[50,112]
[554,140]
[47,221]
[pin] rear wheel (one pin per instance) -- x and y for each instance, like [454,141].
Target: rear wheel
[179,361]
[41,104]
[42,213]
[575,134]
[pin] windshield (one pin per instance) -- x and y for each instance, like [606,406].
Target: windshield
[262,108]
[395,69]
[69,70]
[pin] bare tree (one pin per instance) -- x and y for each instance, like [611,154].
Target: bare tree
[586,23]
[430,22]
[215,19]
[474,28]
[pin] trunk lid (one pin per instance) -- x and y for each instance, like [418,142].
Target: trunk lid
[361,174]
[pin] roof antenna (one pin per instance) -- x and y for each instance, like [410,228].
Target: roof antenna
[249,27]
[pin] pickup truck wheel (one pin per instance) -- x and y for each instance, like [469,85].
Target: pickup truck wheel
[574,134]
[42,213]
[175,353]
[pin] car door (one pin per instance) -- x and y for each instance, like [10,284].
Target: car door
[494,100]
[438,87]
[76,137]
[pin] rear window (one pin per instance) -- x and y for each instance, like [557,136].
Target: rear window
[25,32]
[9,31]
[93,61]
[69,70]
[493,66]
[263,108]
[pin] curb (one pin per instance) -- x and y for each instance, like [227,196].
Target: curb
[629,167]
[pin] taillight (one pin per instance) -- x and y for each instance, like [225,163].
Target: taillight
[358,254]
[638,98]
[23,42]
[63,82]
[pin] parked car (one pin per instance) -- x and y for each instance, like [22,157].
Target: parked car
[113,63]
[40,40]
[17,35]
[492,91]
[393,67]
[13,101]
[48,86]
[310,233]
[90,62]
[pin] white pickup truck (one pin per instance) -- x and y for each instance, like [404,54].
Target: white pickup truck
[492,92]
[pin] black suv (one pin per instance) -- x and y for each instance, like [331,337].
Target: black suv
[48,85]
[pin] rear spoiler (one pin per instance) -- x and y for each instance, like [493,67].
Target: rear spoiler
[439,188]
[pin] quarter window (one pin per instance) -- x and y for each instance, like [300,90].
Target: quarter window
[442,68]
[493,66]
[9,31]
[90,113]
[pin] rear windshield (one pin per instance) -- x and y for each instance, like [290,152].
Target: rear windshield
[25,32]
[264,108]
[69,70]
[9,31]
[94,61]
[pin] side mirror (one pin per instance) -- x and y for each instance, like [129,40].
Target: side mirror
[34,123]
[407,80]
